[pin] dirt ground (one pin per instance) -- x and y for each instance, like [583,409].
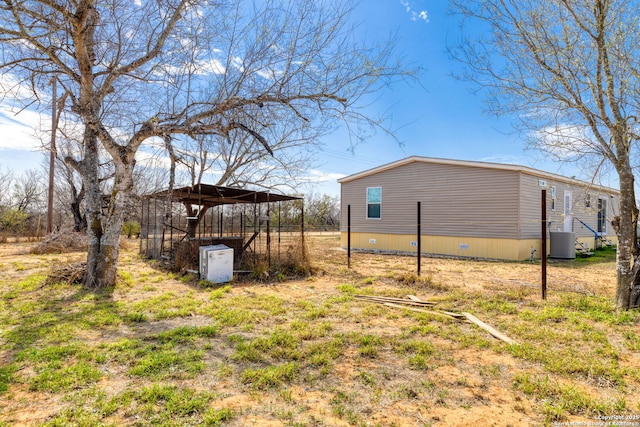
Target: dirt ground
[469,385]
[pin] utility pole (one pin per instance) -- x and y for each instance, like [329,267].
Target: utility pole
[52,156]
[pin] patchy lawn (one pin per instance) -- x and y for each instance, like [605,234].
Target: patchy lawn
[161,349]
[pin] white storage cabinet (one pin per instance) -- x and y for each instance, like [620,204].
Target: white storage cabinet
[216,263]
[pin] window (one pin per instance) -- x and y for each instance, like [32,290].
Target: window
[553,197]
[374,202]
[602,216]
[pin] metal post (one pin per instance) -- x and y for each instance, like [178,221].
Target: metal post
[141,226]
[544,244]
[156,253]
[419,243]
[304,251]
[256,228]
[268,232]
[220,221]
[279,227]
[349,236]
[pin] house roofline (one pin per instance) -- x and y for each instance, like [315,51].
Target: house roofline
[475,164]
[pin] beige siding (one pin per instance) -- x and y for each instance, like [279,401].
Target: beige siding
[469,208]
[584,207]
[456,201]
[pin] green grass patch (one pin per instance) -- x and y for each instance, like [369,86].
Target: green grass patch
[159,363]
[75,416]
[271,376]
[420,352]
[603,254]
[342,406]
[6,377]
[167,405]
[169,305]
[56,377]
[587,361]
[558,401]
[280,345]
[632,340]
[368,345]
[187,334]
[497,306]
[217,417]
[220,292]
[305,330]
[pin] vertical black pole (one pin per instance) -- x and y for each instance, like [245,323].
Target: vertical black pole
[256,228]
[221,218]
[418,240]
[544,244]
[349,236]
[156,254]
[142,225]
[268,232]
[279,227]
[304,249]
[203,223]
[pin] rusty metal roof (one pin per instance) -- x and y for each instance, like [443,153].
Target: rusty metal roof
[214,195]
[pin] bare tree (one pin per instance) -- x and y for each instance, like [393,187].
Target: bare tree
[69,192]
[29,191]
[569,70]
[179,69]
[322,210]
[6,182]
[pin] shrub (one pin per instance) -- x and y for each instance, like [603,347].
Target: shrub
[130,229]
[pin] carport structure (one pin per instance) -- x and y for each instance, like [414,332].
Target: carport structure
[175,223]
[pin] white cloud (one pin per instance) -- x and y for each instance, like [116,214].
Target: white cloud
[19,130]
[316,175]
[414,15]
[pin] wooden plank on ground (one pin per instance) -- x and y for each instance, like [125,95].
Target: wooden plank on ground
[490,329]
[394,300]
[420,310]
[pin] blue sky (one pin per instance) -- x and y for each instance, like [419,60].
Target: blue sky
[440,117]
[443,118]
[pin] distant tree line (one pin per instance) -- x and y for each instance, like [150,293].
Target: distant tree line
[321,212]
[23,203]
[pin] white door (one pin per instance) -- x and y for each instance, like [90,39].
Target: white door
[568,208]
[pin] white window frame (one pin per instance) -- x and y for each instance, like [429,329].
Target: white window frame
[373,203]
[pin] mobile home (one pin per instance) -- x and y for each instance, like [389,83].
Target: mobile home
[470,209]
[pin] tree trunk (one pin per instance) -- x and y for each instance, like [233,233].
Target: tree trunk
[89,168]
[79,220]
[196,216]
[104,226]
[626,296]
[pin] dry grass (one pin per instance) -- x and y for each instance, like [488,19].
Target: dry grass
[161,350]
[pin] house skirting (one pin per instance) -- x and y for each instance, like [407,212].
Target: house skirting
[472,247]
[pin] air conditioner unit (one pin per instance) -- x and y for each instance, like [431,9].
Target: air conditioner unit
[216,263]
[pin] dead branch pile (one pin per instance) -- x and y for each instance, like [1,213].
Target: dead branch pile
[62,241]
[68,273]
